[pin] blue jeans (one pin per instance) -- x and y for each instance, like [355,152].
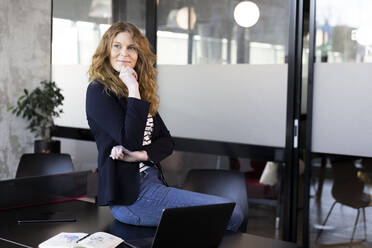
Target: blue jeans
[154,196]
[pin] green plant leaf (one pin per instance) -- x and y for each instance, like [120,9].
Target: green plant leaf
[39,106]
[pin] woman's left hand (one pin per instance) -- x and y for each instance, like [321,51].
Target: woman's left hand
[123,154]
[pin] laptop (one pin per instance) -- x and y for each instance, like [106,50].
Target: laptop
[196,226]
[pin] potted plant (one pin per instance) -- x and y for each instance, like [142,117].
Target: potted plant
[39,107]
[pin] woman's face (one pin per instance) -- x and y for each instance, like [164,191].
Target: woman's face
[123,52]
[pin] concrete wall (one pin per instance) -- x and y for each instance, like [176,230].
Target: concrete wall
[25,30]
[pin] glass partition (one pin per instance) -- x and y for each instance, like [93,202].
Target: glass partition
[341,182]
[207,32]
[205,40]
[222,74]
[343,31]
[342,75]
[77,28]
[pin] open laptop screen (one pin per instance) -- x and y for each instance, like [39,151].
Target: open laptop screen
[196,226]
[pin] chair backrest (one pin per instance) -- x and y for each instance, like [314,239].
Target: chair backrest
[224,183]
[40,164]
[347,187]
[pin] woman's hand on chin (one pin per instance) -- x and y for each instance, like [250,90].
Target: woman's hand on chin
[129,77]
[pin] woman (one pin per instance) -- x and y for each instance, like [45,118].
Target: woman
[132,139]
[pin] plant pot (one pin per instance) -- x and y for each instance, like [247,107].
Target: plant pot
[45,146]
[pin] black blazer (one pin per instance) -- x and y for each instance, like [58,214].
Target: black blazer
[122,121]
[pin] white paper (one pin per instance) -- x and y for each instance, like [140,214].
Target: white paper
[100,240]
[62,240]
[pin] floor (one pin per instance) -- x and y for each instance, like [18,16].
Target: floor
[336,233]
[338,230]
[261,221]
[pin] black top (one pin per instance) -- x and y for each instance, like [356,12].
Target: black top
[119,121]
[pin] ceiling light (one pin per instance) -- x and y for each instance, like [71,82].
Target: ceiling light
[182,18]
[246,14]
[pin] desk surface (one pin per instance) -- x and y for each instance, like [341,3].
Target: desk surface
[89,219]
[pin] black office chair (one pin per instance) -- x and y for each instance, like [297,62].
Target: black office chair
[348,189]
[40,164]
[224,183]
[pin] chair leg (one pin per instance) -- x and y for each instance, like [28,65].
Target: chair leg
[355,225]
[277,190]
[323,165]
[277,216]
[365,224]
[326,219]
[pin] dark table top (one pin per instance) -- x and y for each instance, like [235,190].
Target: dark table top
[89,219]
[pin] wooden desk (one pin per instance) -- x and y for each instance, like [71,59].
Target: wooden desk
[91,218]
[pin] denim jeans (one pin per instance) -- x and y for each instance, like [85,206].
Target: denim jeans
[154,196]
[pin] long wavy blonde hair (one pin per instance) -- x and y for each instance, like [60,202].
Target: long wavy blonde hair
[101,69]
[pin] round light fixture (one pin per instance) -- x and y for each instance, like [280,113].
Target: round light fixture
[182,18]
[246,14]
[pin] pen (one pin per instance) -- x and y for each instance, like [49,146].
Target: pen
[46,221]
[86,236]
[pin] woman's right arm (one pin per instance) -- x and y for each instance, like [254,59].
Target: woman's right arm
[125,126]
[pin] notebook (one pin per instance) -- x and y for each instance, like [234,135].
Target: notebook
[196,226]
[82,240]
